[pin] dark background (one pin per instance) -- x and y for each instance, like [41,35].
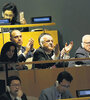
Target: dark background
[72,17]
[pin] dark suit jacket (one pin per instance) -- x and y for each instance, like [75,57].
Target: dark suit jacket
[6,96]
[22,58]
[82,53]
[40,55]
[50,94]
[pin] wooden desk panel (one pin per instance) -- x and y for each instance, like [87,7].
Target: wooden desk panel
[33,81]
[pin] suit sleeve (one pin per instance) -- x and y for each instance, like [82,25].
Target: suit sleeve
[43,96]
[21,58]
[82,54]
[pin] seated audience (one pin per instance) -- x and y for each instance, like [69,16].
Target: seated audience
[84,51]
[9,55]
[9,11]
[47,51]
[15,91]
[60,90]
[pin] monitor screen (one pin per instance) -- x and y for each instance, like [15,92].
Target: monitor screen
[45,19]
[83,93]
[4,21]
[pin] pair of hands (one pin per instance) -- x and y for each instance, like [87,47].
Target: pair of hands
[66,49]
[29,46]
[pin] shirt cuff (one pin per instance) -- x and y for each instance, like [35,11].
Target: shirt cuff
[54,57]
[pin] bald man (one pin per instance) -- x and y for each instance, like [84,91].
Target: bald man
[84,50]
[23,52]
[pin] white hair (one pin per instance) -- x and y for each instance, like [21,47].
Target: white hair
[42,39]
[83,39]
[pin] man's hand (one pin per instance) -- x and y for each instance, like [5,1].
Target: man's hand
[29,46]
[57,51]
[19,93]
[68,47]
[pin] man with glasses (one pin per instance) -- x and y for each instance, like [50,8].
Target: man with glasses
[14,92]
[60,90]
[84,51]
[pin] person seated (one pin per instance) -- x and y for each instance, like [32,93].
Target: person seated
[14,91]
[60,90]
[83,51]
[9,11]
[23,52]
[9,56]
[47,51]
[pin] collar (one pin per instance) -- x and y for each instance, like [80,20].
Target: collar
[12,97]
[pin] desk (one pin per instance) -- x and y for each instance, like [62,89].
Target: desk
[33,81]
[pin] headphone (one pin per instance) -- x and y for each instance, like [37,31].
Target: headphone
[57,83]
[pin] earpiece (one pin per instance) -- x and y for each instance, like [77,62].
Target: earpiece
[57,83]
[82,45]
[7,88]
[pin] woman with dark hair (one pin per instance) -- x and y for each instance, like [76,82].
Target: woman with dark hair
[9,52]
[8,55]
[9,11]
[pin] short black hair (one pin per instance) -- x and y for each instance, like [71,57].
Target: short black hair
[11,78]
[42,36]
[64,75]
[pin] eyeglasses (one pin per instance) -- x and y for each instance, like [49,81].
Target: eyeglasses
[15,85]
[65,86]
[87,43]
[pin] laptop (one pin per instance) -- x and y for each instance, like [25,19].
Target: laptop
[83,93]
